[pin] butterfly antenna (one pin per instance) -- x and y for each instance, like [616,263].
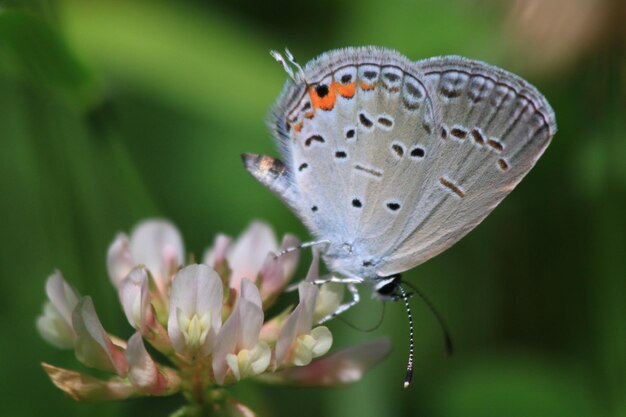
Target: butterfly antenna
[295,63]
[444,328]
[302,246]
[409,366]
[279,58]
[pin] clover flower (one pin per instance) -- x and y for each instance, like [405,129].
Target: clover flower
[207,320]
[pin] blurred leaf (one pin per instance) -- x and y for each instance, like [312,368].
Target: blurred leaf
[29,48]
[203,62]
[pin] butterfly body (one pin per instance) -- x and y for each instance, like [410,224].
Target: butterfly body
[392,161]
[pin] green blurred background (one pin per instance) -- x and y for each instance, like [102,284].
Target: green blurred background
[113,111]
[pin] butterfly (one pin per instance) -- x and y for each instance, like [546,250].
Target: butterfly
[388,162]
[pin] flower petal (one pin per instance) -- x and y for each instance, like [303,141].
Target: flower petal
[329,299]
[54,329]
[261,355]
[248,254]
[142,370]
[62,296]
[272,277]
[119,259]
[134,296]
[314,269]
[276,272]
[240,331]
[216,254]
[145,374]
[196,295]
[290,260]
[93,345]
[342,367]
[82,387]
[158,245]
[323,341]
[308,296]
[226,344]
[298,323]
[250,292]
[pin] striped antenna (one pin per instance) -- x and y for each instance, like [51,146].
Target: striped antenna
[409,366]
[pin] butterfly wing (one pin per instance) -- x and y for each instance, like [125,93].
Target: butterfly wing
[398,159]
[492,126]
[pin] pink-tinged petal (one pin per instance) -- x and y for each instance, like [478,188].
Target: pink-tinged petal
[93,345]
[290,260]
[134,296]
[54,329]
[227,408]
[250,292]
[119,259]
[248,254]
[272,278]
[216,254]
[55,324]
[287,336]
[271,329]
[145,374]
[195,300]
[61,295]
[158,245]
[82,387]
[252,320]
[276,272]
[226,344]
[343,367]
[314,269]
[308,296]
[299,321]
[241,329]
[240,410]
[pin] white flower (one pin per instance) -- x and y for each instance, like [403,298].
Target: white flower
[195,310]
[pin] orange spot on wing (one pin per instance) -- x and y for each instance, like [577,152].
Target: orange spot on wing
[367,87]
[344,90]
[297,127]
[325,103]
[309,115]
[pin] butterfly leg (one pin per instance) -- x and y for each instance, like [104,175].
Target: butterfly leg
[345,306]
[320,281]
[301,246]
